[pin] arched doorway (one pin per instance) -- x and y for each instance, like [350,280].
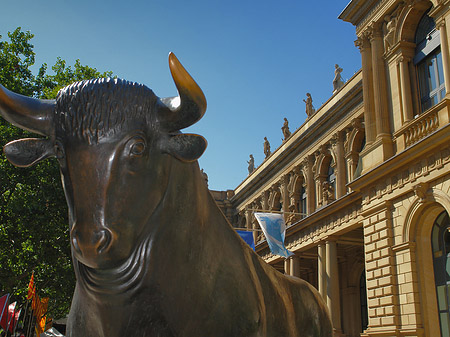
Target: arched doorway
[440,245]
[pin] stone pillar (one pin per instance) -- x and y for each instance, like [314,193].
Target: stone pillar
[333,296]
[295,266]
[367,79]
[341,176]
[248,216]
[310,185]
[285,195]
[287,266]
[321,270]
[379,83]
[249,223]
[405,82]
[445,55]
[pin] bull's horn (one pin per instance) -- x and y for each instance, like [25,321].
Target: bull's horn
[27,113]
[176,113]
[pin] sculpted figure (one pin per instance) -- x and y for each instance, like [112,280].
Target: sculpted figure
[205,176]
[337,81]
[152,252]
[266,147]
[309,106]
[251,164]
[285,129]
[391,22]
[293,216]
[328,192]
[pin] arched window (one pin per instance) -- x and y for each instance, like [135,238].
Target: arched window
[440,244]
[428,62]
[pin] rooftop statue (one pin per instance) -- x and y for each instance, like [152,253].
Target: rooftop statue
[266,147]
[251,164]
[309,106]
[338,83]
[205,176]
[153,253]
[285,129]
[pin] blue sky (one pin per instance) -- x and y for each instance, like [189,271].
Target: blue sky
[254,60]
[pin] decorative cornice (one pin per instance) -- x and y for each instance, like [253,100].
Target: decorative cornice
[406,175]
[390,169]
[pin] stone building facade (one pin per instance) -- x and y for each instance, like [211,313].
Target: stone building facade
[365,181]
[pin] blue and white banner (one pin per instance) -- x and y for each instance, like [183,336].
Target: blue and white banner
[274,229]
[247,237]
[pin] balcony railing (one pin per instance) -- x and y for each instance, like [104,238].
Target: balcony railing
[421,127]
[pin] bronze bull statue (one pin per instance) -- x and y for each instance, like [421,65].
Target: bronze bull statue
[153,254]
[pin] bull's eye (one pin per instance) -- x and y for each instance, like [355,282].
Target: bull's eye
[138,148]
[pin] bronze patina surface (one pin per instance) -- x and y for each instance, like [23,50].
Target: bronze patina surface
[153,254]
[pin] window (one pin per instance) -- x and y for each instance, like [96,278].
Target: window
[440,244]
[428,62]
[302,208]
[332,181]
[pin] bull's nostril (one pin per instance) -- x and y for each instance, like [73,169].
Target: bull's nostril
[104,241]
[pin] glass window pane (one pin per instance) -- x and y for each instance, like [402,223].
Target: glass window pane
[440,68]
[447,268]
[445,323]
[432,74]
[423,79]
[434,99]
[435,239]
[442,297]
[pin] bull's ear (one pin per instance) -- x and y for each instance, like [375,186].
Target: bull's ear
[186,147]
[27,152]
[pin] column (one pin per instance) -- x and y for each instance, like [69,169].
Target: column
[310,185]
[248,216]
[367,81]
[248,221]
[295,266]
[333,297]
[294,193]
[287,266]
[445,54]
[405,82]
[379,83]
[341,178]
[321,270]
[285,195]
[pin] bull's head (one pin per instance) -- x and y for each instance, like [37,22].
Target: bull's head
[111,138]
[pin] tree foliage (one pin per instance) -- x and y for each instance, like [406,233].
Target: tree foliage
[34,234]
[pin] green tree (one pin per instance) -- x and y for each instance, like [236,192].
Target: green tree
[34,233]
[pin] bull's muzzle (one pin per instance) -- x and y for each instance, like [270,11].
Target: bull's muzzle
[87,248]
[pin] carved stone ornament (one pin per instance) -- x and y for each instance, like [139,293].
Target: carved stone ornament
[144,229]
[420,190]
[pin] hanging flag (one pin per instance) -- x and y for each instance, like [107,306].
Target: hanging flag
[4,302]
[274,229]
[247,237]
[48,323]
[11,311]
[14,320]
[41,317]
[31,288]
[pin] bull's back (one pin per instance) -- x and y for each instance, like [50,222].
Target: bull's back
[293,306]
